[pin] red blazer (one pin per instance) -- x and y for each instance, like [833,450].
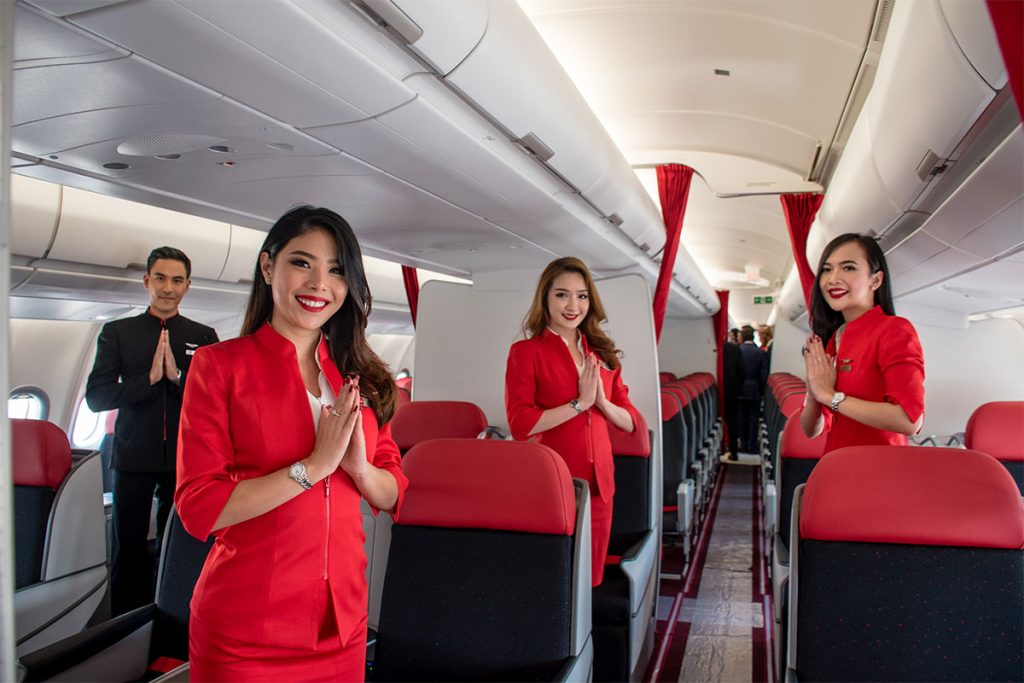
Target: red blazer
[880,359]
[541,375]
[267,580]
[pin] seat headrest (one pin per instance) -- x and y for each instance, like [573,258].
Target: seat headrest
[421,420]
[666,377]
[913,495]
[796,445]
[792,403]
[404,383]
[997,428]
[41,453]
[669,405]
[636,443]
[681,394]
[488,484]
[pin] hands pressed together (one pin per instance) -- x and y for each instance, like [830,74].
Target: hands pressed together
[339,437]
[164,364]
[591,387]
[821,370]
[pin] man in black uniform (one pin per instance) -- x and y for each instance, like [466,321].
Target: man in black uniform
[755,374]
[140,370]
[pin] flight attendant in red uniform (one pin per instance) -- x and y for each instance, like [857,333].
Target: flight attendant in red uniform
[283,433]
[563,387]
[866,386]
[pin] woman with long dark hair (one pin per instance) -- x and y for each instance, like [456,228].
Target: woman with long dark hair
[563,387]
[283,432]
[865,366]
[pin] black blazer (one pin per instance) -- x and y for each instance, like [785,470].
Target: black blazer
[755,371]
[732,369]
[146,431]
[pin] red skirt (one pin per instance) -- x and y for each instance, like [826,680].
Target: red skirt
[216,658]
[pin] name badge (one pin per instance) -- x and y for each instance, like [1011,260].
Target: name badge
[846,365]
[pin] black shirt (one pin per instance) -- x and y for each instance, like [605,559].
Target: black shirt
[146,431]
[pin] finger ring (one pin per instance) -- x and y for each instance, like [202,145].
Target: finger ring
[335,413]
[804,350]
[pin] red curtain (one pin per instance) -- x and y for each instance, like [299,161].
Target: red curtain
[800,210]
[673,190]
[1008,20]
[412,290]
[720,327]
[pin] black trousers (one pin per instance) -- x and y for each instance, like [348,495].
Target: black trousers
[132,570]
[732,424]
[750,411]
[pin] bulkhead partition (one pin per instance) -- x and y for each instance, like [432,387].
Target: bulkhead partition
[463,335]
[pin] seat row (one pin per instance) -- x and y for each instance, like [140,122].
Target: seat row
[691,441]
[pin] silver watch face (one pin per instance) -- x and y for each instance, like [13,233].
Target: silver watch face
[297,471]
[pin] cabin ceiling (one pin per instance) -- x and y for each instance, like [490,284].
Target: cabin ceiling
[647,69]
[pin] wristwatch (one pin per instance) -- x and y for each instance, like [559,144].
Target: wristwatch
[837,398]
[575,403]
[298,473]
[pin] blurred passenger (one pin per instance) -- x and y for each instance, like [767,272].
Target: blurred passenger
[866,384]
[755,375]
[283,433]
[563,385]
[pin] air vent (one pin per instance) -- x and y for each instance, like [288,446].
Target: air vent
[882,19]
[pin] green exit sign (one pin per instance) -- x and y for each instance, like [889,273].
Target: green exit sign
[763,299]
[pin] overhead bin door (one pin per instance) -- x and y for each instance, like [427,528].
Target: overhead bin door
[98,230]
[34,207]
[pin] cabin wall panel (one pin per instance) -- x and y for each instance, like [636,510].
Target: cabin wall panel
[789,339]
[687,345]
[54,355]
[965,368]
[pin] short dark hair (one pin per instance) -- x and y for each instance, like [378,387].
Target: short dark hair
[748,333]
[735,331]
[169,253]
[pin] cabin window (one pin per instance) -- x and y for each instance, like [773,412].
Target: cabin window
[28,403]
[89,427]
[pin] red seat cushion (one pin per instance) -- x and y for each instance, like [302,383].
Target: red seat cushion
[421,420]
[41,453]
[488,484]
[997,428]
[796,445]
[913,495]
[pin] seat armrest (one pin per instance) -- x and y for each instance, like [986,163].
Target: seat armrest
[491,432]
[579,668]
[791,676]
[781,551]
[180,674]
[64,654]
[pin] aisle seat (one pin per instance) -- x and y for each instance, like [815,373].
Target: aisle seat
[60,536]
[143,643]
[421,420]
[625,598]
[997,428]
[907,565]
[489,572]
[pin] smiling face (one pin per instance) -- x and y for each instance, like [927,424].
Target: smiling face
[568,303]
[306,283]
[166,283]
[847,283]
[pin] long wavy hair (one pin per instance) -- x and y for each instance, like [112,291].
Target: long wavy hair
[824,320]
[538,317]
[346,329]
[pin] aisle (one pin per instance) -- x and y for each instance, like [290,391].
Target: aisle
[711,620]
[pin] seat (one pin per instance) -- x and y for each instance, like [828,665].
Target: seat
[489,574]
[140,644]
[798,457]
[60,536]
[677,483]
[907,564]
[997,428]
[421,420]
[624,601]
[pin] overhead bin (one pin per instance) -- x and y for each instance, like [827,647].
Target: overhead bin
[97,229]
[447,29]
[34,208]
[242,254]
[273,56]
[926,96]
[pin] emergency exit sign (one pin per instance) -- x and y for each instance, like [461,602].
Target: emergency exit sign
[763,299]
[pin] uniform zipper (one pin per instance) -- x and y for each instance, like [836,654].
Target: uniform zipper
[327,526]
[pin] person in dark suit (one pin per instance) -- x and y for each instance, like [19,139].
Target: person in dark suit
[755,375]
[140,371]
[732,371]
